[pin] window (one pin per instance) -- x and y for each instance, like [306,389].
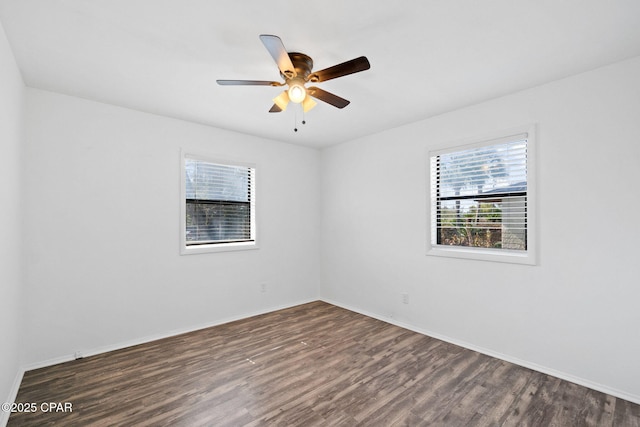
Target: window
[218,206]
[482,200]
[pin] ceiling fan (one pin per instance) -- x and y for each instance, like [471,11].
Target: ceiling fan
[296,70]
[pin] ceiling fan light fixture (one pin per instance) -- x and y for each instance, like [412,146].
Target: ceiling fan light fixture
[282,100]
[308,104]
[297,93]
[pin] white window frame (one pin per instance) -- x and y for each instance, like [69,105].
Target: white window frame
[528,256]
[216,247]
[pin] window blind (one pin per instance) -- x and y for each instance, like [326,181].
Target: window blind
[479,195]
[220,203]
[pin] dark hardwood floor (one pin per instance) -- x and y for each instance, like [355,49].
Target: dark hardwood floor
[310,365]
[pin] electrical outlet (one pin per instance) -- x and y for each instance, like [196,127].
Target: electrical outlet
[405,298]
[263,287]
[77,355]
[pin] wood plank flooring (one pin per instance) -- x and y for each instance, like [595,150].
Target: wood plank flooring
[310,365]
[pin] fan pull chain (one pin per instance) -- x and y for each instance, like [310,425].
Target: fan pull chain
[295,123]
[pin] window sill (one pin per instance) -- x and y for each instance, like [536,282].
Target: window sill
[218,247]
[481,254]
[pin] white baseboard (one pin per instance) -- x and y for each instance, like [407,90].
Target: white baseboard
[149,338]
[13,393]
[524,363]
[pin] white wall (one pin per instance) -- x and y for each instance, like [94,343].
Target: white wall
[102,228]
[11,127]
[577,312]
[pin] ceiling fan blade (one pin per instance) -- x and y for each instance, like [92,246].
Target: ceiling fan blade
[247,83]
[327,97]
[354,66]
[275,109]
[279,54]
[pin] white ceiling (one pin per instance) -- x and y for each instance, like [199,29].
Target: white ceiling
[427,56]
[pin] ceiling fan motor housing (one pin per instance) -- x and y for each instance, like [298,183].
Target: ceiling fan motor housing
[302,63]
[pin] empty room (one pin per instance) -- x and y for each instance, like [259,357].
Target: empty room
[319,214]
